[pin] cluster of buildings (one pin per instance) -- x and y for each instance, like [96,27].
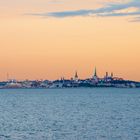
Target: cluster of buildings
[94,81]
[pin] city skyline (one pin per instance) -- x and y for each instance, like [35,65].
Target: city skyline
[75,75]
[94,81]
[48,39]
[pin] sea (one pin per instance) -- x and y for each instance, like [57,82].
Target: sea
[70,114]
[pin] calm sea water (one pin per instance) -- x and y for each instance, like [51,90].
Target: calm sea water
[70,114]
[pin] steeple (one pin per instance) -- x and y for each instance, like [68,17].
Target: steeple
[95,72]
[76,75]
[95,77]
[106,74]
[111,74]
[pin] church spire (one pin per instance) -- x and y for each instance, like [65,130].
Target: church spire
[111,74]
[76,75]
[95,72]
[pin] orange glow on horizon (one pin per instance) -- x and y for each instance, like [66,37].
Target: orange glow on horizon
[51,48]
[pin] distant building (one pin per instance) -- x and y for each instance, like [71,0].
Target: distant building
[95,78]
[76,77]
[112,74]
[108,78]
[13,84]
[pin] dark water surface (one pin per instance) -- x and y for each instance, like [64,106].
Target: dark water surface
[70,114]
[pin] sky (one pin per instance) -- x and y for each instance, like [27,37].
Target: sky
[50,39]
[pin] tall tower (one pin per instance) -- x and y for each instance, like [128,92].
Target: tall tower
[95,77]
[112,74]
[76,76]
[95,72]
[106,74]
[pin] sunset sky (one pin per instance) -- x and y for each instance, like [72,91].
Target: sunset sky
[49,39]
